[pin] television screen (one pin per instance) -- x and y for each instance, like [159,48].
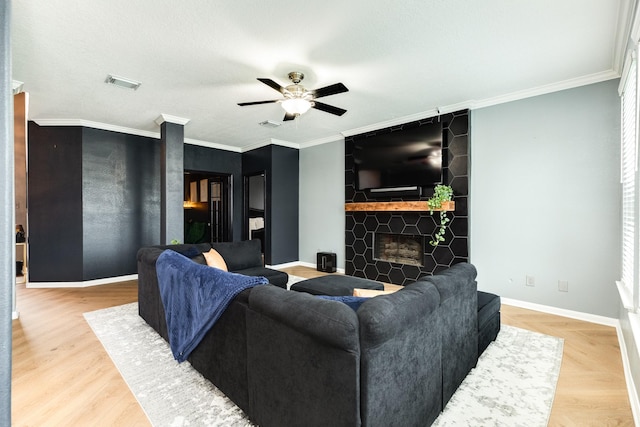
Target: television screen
[404,158]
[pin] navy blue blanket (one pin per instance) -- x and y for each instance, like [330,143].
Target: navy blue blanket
[194,297]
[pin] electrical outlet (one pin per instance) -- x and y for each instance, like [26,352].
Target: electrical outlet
[563,286]
[531,281]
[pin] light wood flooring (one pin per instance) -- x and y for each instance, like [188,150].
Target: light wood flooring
[62,375]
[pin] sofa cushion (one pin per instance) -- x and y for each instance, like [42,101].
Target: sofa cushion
[275,277]
[335,284]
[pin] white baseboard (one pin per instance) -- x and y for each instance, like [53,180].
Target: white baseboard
[631,387]
[285,265]
[602,320]
[83,284]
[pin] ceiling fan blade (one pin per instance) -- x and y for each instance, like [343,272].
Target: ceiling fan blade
[289,116]
[272,84]
[328,108]
[242,104]
[329,90]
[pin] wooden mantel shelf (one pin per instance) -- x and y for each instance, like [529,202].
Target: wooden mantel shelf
[396,206]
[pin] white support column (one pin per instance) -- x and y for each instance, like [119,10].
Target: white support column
[7,223]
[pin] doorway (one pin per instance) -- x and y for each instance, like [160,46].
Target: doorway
[207,207]
[255,223]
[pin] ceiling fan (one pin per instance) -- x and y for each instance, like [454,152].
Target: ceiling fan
[298,100]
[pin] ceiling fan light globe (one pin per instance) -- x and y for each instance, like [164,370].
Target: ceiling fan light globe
[296,105]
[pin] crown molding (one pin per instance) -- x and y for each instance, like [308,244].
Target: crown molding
[501,99]
[546,89]
[270,141]
[17,86]
[215,145]
[255,145]
[626,30]
[96,125]
[389,123]
[320,141]
[127,130]
[171,119]
[284,143]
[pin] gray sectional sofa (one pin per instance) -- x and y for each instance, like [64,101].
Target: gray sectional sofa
[289,358]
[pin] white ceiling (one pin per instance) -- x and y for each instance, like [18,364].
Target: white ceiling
[400,60]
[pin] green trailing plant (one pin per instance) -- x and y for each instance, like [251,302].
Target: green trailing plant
[175,241]
[441,194]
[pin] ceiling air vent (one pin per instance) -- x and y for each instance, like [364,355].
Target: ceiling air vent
[270,124]
[122,82]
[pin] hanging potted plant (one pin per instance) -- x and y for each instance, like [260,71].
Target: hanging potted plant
[441,194]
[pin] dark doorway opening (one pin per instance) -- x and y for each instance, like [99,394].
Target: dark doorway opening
[255,212]
[207,207]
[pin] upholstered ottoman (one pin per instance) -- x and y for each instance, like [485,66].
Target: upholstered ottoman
[488,319]
[335,285]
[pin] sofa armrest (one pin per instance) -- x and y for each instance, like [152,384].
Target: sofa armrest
[401,366]
[459,305]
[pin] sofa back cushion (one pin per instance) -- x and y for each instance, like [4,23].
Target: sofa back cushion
[240,255]
[303,360]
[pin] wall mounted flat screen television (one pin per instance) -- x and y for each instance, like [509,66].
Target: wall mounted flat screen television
[404,158]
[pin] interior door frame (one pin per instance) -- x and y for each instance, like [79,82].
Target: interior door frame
[226,197]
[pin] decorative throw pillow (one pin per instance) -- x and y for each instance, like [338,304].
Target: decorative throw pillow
[357,292]
[214,259]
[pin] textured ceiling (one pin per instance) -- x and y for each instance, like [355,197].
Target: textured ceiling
[400,60]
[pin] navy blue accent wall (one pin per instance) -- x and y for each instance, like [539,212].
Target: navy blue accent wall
[94,200]
[280,165]
[55,203]
[203,159]
[120,201]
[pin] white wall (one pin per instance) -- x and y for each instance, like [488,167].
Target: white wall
[545,198]
[321,207]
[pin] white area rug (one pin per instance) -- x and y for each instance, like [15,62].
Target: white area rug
[513,384]
[293,280]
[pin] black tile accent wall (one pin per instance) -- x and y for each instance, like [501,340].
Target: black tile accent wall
[361,226]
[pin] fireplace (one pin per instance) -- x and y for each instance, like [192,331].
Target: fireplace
[361,227]
[399,248]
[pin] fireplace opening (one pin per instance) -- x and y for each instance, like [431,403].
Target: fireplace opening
[399,248]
